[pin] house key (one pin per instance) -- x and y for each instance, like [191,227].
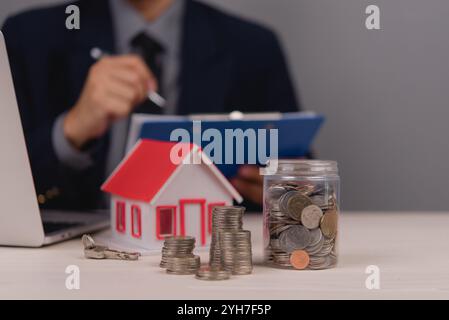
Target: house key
[95,251]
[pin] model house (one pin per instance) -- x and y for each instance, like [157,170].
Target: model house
[154,194]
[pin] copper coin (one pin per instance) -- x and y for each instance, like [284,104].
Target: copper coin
[329,224]
[299,259]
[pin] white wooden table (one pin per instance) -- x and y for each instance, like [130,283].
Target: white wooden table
[410,249]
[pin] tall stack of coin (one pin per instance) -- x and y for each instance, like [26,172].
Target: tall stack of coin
[236,253]
[224,218]
[178,257]
[301,220]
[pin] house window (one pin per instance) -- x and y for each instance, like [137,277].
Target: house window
[136,221]
[210,208]
[165,221]
[120,216]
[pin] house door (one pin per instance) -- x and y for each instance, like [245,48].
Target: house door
[193,219]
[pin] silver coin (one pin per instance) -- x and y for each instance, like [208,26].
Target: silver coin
[277,229]
[311,216]
[278,215]
[283,200]
[319,200]
[313,249]
[295,238]
[273,194]
[318,189]
[325,249]
[316,263]
[306,189]
[279,258]
[325,262]
[275,244]
[315,237]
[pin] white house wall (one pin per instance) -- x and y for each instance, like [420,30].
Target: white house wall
[193,181]
[147,238]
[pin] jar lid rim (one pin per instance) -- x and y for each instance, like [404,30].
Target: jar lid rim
[300,166]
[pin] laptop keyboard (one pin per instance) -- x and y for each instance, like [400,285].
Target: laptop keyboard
[57,226]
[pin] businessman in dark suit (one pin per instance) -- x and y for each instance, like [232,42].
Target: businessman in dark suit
[75,109]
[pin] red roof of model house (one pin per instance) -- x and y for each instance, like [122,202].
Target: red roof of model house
[149,167]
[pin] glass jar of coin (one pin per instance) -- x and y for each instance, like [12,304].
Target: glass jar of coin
[301,208]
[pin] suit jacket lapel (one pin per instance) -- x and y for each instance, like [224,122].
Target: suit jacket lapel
[205,65]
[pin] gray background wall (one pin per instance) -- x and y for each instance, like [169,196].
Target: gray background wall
[385,93]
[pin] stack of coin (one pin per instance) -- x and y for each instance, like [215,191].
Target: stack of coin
[230,250]
[183,265]
[178,257]
[177,246]
[236,254]
[224,218]
[301,220]
[212,273]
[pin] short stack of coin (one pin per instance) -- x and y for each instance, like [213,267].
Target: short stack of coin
[224,218]
[301,220]
[212,273]
[183,265]
[178,257]
[236,253]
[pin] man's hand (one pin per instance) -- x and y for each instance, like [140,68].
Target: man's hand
[114,86]
[249,183]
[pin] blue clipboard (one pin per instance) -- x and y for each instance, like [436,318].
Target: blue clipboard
[296,132]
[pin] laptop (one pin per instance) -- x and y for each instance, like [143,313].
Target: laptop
[22,223]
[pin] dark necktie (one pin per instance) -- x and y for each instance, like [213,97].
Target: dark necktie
[151,52]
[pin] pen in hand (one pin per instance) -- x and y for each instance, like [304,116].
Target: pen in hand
[155,97]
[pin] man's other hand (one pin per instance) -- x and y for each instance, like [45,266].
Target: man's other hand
[249,183]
